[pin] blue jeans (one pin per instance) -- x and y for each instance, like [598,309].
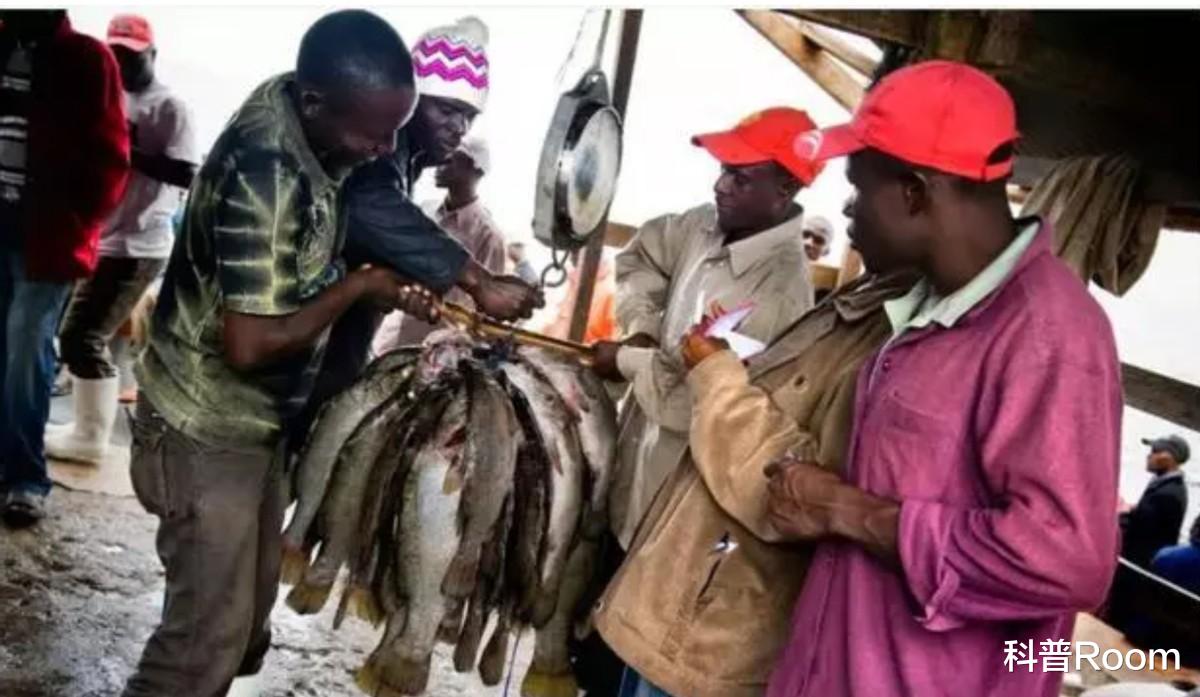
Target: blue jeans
[634,685]
[29,314]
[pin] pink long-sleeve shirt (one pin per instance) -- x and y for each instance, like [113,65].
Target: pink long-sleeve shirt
[999,436]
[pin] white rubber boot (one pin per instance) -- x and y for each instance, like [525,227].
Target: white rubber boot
[95,412]
[247,686]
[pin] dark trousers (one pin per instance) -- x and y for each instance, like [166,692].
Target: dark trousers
[98,308]
[220,514]
[597,669]
[29,314]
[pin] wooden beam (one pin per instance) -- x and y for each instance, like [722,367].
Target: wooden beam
[1182,219]
[839,48]
[905,27]
[824,276]
[1164,397]
[807,55]
[631,31]
[618,234]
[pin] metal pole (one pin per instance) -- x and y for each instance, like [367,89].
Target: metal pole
[631,29]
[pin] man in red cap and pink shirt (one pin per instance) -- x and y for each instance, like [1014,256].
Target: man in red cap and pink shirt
[974,517]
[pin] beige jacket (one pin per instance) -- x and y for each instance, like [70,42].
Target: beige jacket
[701,605]
[672,270]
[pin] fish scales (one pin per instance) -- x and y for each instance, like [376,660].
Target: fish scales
[429,515]
[493,437]
[586,396]
[565,483]
[336,421]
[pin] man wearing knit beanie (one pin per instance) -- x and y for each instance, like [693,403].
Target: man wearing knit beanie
[387,228]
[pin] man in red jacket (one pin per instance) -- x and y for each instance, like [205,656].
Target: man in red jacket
[64,159]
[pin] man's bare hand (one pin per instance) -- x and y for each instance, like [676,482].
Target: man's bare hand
[604,360]
[695,347]
[800,497]
[640,340]
[390,291]
[507,297]
[378,285]
[420,303]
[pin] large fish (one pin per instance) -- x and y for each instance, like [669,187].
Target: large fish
[530,512]
[342,506]
[441,418]
[586,397]
[428,521]
[550,673]
[493,437]
[335,422]
[565,483]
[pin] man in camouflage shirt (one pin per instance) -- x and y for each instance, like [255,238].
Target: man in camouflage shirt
[250,293]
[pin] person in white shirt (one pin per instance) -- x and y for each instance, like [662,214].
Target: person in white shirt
[134,246]
[748,247]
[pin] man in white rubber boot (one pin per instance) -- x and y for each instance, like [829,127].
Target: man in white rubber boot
[134,246]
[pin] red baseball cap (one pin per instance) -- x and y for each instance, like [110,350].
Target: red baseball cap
[765,136]
[940,114]
[131,31]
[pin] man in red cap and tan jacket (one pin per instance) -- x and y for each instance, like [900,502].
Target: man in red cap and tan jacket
[747,248]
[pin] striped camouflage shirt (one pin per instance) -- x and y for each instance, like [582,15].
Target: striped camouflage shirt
[261,235]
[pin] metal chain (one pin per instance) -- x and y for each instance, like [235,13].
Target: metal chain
[557,265]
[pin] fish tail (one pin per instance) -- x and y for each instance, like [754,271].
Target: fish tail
[543,609]
[307,598]
[451,625]
[393,676]
[293,565]
[467,649]
[491,664]
[546,684]
[459,581]
[364,605]
[367,678]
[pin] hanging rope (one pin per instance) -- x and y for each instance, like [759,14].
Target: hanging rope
[512,662]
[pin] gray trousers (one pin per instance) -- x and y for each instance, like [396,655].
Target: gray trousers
[220,517]
[99,306]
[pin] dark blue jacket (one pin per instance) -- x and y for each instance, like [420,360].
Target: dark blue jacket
[384,228]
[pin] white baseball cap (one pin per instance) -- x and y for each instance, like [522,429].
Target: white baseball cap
[477,149]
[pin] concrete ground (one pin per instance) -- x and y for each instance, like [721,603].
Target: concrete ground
[80,593]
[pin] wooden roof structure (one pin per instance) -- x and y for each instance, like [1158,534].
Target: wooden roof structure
[1085,83]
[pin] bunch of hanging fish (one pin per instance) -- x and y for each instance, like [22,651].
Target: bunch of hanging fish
[455,481]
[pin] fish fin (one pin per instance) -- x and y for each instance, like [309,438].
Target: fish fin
[308,599]
[365,606]
[293,565]
[467,649]
[451,625]
[392,676]
[491,664]
[339,615]
[539,684]
[460,578]
[543,608]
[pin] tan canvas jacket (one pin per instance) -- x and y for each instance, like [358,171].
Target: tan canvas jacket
[701,605]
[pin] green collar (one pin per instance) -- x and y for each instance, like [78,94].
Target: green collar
[921,306]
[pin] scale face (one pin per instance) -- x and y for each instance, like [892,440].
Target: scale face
[581,158]
[590,171]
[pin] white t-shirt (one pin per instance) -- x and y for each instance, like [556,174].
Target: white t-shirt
[140,227]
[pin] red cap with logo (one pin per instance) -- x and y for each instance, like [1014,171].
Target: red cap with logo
[765,136]
[131,31]
[939,114]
